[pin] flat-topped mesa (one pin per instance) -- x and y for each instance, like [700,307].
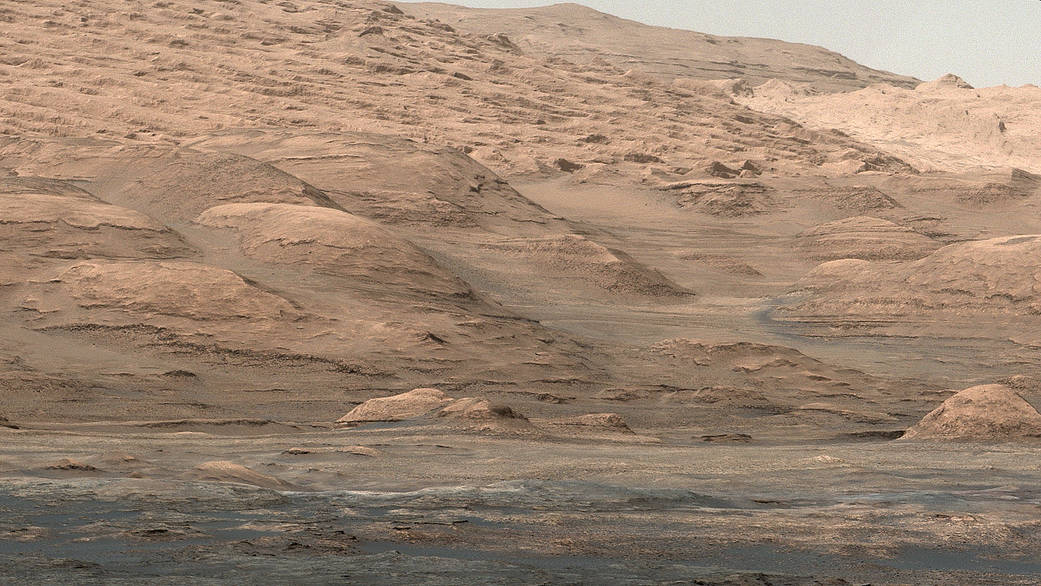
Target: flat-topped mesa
[981,413]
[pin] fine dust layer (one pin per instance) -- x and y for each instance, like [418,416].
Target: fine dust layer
[443,509]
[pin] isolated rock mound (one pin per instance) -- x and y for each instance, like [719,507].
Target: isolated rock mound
[483,416]
[999,187]
[945,81]
[595,422]
[728,200]
[465,414]
[70,465]
[572,255]
[862,199]
[985,413]
[172,288]
[740,356]
[612,421]
[475,408]
[414,403]
[224,471]
[610,427]
[865,238]
[979,188]
[762,377]
[720,262]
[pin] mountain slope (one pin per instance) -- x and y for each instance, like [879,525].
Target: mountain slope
[583,35]
[167,72]
[940,125]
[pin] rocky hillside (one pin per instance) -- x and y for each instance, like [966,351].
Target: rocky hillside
[164,72]
[583,35]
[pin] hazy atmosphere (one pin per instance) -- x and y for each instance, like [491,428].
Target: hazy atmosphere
[986,43]
[370,292]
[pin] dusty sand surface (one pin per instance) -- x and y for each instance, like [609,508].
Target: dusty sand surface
[320,292]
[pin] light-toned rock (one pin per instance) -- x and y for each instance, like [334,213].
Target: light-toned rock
[225,471]
[944,124]
[414,403]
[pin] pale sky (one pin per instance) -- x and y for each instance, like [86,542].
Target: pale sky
[987,42]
